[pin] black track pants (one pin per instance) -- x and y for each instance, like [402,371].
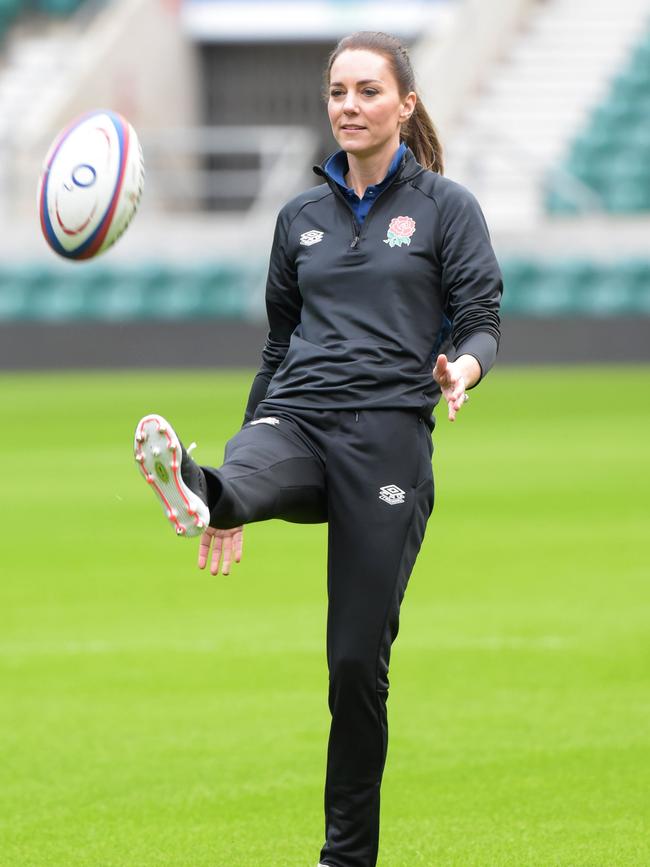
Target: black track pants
[369,475]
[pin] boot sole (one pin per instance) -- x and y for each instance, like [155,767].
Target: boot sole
[158,452]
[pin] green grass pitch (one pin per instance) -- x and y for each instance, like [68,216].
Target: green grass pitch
[153,715]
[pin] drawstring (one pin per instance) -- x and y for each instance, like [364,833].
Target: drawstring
[356,415]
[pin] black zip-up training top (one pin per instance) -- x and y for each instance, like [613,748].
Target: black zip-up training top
[355,311]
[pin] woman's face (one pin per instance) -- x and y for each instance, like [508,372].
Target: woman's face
[364,105]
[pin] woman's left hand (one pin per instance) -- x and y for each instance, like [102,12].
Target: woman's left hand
[226,546]
[454,377]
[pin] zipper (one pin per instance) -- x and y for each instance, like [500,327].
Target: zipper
[356,228]
[366,222]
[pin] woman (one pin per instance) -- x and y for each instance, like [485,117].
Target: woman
[365,271]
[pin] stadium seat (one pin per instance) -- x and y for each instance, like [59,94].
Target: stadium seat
[519,275]
[591,149]
[611,155]
[14,297]
[121,300]
[59,7]
[576,288]
[610,294]
[58,294]
[559,202]
[9,9]
[226,290]
[626,196]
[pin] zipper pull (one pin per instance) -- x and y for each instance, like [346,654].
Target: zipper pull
[355,241]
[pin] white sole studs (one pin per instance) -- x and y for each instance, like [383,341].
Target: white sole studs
[157,451]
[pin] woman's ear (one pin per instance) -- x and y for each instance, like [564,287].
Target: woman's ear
[408,107]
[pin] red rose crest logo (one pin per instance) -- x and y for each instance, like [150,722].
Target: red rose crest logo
[400,231]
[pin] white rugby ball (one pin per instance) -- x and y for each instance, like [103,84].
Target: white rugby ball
[91,184]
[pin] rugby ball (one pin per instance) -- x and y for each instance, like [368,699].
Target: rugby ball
[90,185]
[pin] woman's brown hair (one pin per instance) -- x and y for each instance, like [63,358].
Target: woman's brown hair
[418,131]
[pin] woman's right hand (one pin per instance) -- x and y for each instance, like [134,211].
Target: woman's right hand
[225,544]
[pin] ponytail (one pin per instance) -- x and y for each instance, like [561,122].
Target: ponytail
[418,132]
[421,136]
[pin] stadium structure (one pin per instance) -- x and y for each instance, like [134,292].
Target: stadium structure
[543,107]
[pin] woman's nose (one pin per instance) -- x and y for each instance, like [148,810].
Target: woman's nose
[350,104]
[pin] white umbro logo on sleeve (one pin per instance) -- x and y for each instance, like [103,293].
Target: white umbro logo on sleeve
[311,237]
[269,419]
[392,495]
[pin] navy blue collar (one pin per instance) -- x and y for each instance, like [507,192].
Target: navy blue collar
[337,167]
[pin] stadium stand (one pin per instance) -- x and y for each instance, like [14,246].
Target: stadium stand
[60,7]
[11,9]
[102,292]
[576,287]
[533,102]
[218,290]
[611,155]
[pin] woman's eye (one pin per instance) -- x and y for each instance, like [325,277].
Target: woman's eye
[336,92]
[369,91]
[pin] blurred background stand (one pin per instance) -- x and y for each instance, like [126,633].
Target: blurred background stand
[542,105]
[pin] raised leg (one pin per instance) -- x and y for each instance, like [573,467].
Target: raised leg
[269,471]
